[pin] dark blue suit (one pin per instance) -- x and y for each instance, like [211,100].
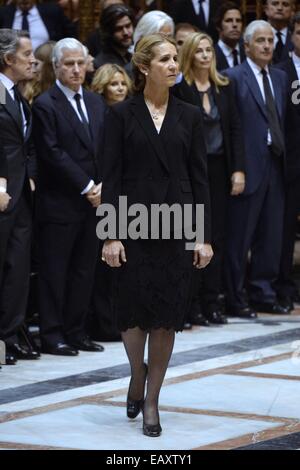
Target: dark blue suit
[255,218]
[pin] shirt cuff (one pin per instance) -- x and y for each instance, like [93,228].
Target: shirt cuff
[87,189]
[2,189]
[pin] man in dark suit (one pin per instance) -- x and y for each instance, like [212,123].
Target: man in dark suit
[256,217]
[68,127]
[285,286]
[229,49]
[44,21]
[279,14]
[199,13]
[17,173]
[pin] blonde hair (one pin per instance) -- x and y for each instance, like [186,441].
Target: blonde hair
[34,88]
[105,74]
[144,54]
[187,55]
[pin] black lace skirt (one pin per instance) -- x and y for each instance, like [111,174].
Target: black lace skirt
[154,288]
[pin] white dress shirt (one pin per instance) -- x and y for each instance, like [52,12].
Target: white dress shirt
[227,51]
[256,69]
[69,94]
[37,29]
[284,33]
[205,6]
[296,60]
[9,85]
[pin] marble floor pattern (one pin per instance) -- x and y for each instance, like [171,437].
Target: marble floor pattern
[230,387]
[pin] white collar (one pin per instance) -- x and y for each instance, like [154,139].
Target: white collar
[68,92]
[283,31]
[32,11]
[256,68]
[226,49]
[7,82]
[296,59]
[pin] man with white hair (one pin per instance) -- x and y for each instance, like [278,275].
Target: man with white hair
[68,132]
[256,216]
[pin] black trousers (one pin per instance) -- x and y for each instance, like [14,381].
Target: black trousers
[285,286]
[67,259]
[208,282]
[102,324]
[15,243]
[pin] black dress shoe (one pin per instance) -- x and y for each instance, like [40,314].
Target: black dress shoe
[265,307]
[86,344]
[135,406]
[198,319]
[60,349]
[21,353]
[241,312]
[10,359]
[286,302]
[152,430]
[216,318]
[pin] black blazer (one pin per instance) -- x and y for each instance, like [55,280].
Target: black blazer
[292,122]
[222,63]
[153,169]
[57,24]
[17,160]
[230,122]
[67,158]
[3,162]
[182,11]
[285,53]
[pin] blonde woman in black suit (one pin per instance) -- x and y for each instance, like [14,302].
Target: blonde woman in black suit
[155,153]
[204,87]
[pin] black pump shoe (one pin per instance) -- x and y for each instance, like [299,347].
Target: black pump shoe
[135,406]
[152,430]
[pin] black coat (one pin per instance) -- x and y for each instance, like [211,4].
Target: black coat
[292,122]
[154,169]
[182,11]
[67,158]
[57,24]
[232,132]
[285,53]
[3,162]
[222,63]
[17,160]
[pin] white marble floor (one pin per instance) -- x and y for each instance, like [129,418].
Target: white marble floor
[226,387]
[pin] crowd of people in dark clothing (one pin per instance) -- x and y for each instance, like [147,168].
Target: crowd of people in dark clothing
[55,96]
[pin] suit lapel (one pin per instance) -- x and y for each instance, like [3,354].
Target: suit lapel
[254,88]
[70,115]
[12,110]
[172,117]
[92,107]
[142,114]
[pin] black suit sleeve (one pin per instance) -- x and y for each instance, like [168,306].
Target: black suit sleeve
[3,162]
[112,166]
[236,135]
[45,137]
[31,164]
[198,172]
